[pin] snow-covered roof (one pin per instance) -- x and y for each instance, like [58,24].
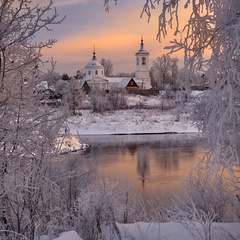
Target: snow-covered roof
[94,62]
[114,79]
[82,81]
[142,51]
[124,82]
[97,79]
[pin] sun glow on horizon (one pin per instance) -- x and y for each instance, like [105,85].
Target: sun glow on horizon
[116,36]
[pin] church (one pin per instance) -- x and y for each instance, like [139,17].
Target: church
[95,76]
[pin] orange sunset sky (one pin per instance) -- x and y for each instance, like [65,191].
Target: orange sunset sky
[116,34]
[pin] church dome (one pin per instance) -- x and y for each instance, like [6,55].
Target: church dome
[94,68]
[95,63]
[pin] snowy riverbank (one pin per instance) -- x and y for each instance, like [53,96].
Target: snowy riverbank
[131,121]
[145,121]
[169,231]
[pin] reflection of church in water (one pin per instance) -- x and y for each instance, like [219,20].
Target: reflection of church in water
[95,76]
[143,161]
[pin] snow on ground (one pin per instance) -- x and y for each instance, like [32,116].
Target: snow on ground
[169,231]
[196,93]
[140,121]
[69,143]
[144,115]
[131,121]
[71,235]
[174,231]
[152,101]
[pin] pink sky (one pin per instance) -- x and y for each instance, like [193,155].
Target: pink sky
[116,35]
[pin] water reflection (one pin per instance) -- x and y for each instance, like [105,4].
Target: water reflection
[149,160]
[143,162]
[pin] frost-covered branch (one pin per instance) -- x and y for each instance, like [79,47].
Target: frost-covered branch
[27,128]
[210,40]
[19,22]
[107,2]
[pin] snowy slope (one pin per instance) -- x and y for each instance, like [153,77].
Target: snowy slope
[169,231]
[131,121]
[145,114]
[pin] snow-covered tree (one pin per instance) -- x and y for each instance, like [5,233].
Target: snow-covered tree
[122,74]
[117,98]
[80,74]
[98,100]
[27,131]
[213,27]
[27,128]
[108,67]
[164,71]
[201,202]
[94,209]
[210,41]
[71,92]
[211,30]
[130,206]
[51,77]
[65,77]
[196,221]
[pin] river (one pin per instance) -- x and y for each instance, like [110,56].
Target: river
[151,162]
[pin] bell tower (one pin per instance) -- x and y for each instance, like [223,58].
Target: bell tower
[142,66]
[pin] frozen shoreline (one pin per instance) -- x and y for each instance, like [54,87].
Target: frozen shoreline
[130,122]
[167,230]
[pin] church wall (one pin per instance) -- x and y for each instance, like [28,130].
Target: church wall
[94,71]
[142,74]
[140,66]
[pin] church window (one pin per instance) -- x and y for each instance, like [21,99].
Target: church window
[137,61]
[143,61]
[96,72]
[89,72]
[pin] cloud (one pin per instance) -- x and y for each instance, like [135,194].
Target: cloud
[116,34]
[70,2]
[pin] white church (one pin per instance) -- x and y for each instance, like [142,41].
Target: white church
[95,76]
